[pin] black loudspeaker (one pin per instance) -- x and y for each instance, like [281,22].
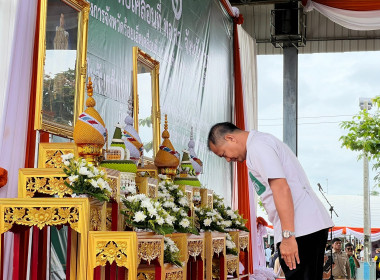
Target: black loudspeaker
[286,18]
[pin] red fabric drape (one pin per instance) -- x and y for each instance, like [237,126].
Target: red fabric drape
[31,137]
[242,172]
[353,5]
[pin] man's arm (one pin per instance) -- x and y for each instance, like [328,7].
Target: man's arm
[357,264]
[283,201]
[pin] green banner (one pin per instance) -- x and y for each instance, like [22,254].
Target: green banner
[192,40]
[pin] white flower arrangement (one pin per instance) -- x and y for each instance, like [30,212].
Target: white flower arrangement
[143,212]
[231,218]
[209,219]
[175,202]
[230,245]
[85,178]
[171,252]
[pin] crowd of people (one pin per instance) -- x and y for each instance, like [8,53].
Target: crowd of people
[345,262]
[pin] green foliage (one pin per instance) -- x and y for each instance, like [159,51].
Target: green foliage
[171,252]
[231,246]
[363,135]
[209,219]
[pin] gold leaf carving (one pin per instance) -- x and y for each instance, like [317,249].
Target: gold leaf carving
[41,216]
[145,276]
[174,275]
[95,219]
[148,250]
[111,251]
[232,265]
[218,245]
[47,185]
[195,247]
[243,241]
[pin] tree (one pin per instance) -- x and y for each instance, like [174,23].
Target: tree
[364,136]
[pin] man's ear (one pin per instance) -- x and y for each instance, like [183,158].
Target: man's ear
[230,137]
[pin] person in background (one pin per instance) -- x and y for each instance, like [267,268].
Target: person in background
[341,269]
[268,254]
[361,255]
[277,269]
[377,260]
[354,263]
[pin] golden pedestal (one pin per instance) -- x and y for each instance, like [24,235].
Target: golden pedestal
[215,243]
[233,266]
[150,248]
[49,154]
[117,246]
[195,267]
[42,212]
[147,186]
[241,239]
[42,182]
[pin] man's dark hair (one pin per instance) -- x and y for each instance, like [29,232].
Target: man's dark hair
[218,131]
[336,240]
[348,245]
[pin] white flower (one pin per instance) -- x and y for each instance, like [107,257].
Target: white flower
[230,212]
[146,204]
[237,223]
[183,201]
[227,223]
[67,157]
[185,223]
[183,213]
[139,216]
[207,222]
[152,211]
[67,163]
[180,193]
[176,209]
[83,171]
[170,219]
[160,221]
[73,178]
[230,244]
[93,183]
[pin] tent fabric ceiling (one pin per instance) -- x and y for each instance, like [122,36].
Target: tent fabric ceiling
[352,5]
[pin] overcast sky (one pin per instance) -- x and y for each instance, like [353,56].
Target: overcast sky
[329,87]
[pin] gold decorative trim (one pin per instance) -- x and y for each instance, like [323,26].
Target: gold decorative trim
[174,275]
[148,250]
[96,219]
[195,248]
[111,251]
[47,185]
[41,216]
[244,242]
[218,245]
[232,265]
[145,276]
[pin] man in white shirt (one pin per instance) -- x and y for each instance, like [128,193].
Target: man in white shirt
[299,219]
[268,254]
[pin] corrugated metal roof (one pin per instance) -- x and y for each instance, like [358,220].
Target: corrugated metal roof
[322,35]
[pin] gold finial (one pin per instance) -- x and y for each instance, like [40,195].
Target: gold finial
[165,133]
[90,102]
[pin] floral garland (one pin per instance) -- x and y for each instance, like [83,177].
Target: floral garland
[143,212]
[171,252]
[209,219]
[230,246]
[231,218]
[85,178]
[174,201]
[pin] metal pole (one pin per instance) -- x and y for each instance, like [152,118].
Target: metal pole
[367,209]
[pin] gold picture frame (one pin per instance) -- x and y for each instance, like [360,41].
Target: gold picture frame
[144,66]
[62,66]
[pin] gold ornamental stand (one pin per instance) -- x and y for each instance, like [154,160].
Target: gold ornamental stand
[216,261]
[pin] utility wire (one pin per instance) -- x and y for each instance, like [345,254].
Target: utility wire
[310,117]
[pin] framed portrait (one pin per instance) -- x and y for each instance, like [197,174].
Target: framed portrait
[61,72]
[146,101]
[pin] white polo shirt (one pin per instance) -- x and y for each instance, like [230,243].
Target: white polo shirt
[269,158]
